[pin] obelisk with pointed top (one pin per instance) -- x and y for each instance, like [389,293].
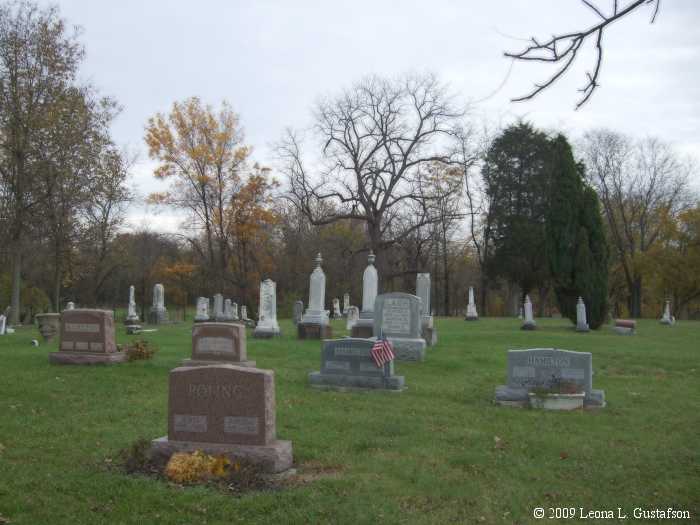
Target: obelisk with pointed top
[529,322]
[131,316]
[314,322]
[581,322]
[472,314]
[364,327]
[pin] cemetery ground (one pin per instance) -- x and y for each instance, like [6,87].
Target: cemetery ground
[438,452]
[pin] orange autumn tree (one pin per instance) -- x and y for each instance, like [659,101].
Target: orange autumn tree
[250,221]
[177,277]
[201,151]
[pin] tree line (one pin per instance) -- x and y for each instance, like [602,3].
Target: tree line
[395,166]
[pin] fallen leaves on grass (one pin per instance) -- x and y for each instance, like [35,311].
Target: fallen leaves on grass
[563,455]
[4,520]
[498,443]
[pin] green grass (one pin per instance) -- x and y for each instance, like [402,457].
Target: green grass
[427,455]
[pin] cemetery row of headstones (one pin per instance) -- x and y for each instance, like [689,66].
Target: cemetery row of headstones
[221,404]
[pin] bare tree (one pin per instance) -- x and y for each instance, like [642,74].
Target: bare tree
[640,185]
[104,213]
[562,49]
[376,138]
[38,61]
[477,208]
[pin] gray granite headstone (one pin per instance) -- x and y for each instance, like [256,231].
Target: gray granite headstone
[158,313]
[298,311]
[397,316]
[545,368]
[348,363]
[218,311]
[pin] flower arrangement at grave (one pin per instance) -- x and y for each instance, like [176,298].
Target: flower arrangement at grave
[197,466]
[140,349]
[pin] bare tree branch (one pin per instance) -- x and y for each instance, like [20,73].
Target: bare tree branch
[563,49]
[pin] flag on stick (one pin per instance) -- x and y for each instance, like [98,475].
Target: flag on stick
[382,352]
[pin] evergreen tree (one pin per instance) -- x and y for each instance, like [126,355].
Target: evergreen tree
[576,247]
[516,175]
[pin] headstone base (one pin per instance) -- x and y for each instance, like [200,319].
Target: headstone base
[132,329]
[471,318]
[266,333]
[273,458]
[623,330]
[668,322]
[85,358]
[202,320]
[206,362]
[131,322]
[528,326]
[341,382]
[362,331]
[582,328]
[520,397]
[314,331]
[158,317]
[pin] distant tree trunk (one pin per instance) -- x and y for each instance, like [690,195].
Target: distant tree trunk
[483,294]
[543,293]
[635,300]
[16,283]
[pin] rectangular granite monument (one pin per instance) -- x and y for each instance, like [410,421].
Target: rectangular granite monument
[218,343]
[548,368]
[347,363]
[87,338]
[397,317]
[224,410]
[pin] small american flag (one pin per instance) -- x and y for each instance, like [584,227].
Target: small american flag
[382,352]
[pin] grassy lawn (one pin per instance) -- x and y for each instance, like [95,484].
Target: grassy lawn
[440,452]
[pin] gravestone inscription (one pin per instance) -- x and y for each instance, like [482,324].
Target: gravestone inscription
[397,317]
[214,343]
[87,337]
[224,409]
[347,363]
[548,369]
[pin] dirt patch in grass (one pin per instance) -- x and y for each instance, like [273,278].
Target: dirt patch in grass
[241,478]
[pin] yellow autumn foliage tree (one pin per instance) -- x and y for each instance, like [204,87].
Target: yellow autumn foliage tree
[201,151]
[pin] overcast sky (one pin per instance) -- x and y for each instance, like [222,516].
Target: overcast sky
[272,59]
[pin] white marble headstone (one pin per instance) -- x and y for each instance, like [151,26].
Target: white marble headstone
[336,308]
[581,322]
[471,306]
[315,312]
[353,313]
[267,311]
[529,320]
[370,283]
[202,309]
